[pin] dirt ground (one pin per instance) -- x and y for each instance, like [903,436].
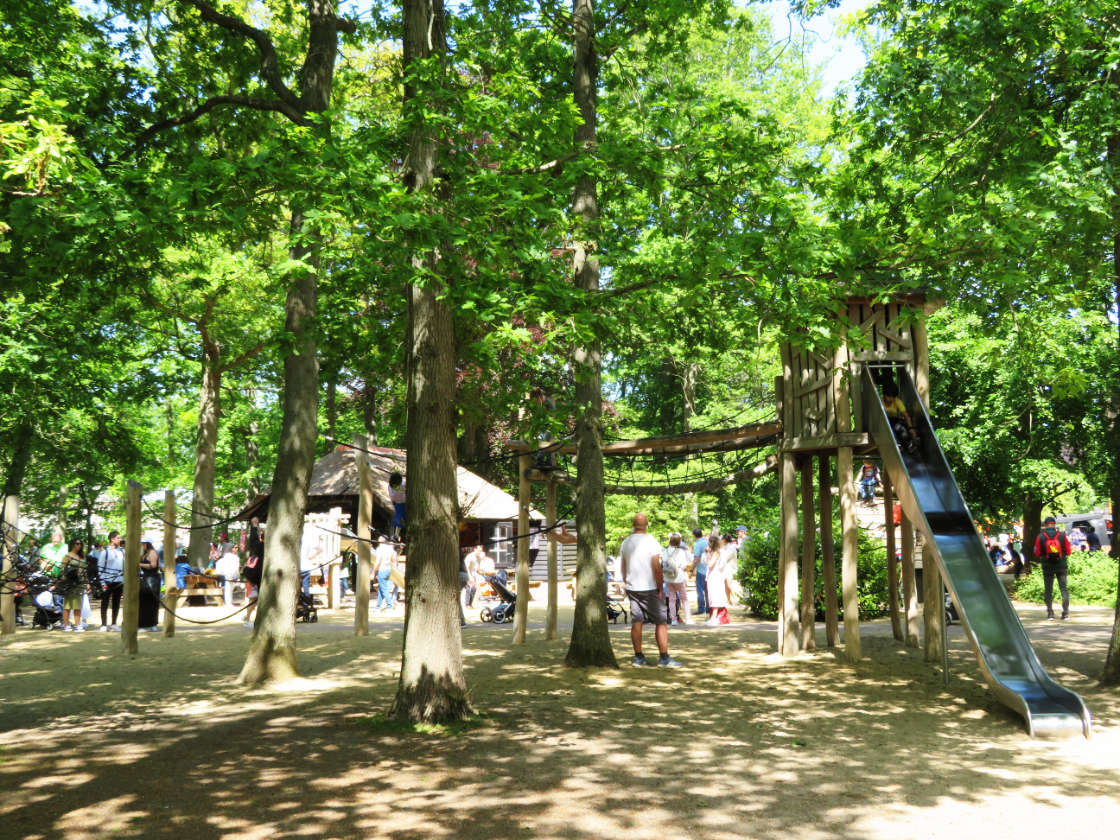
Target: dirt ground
[737,744]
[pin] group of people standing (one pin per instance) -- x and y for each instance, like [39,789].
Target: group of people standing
[715,560]
[656,580]
[76,576]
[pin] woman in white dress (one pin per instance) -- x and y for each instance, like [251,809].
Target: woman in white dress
[720,567]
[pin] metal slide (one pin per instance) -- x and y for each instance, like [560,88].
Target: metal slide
[932,501]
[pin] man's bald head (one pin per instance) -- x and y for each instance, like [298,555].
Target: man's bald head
[640,522]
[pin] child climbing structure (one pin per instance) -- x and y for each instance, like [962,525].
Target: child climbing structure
[832,407]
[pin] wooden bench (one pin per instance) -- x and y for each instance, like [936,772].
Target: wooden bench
[203,586]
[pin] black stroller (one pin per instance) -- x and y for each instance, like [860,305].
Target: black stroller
[504,611]
[306,610]
[41,589]
[616,610]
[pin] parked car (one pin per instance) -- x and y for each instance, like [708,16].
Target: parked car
[1097,522]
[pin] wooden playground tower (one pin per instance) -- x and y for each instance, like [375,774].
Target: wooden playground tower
[818,422]
[819,410]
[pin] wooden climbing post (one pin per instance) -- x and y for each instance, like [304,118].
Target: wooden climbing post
[521,608]
[9,546]
[933,609]
[362,547]
[808,558]
[553,550]
[828,552]
[789,620]
[130,608]
[892,558]
[909,584]
[849,568]
[170,583]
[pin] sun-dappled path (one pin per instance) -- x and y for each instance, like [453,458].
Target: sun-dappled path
[739,743]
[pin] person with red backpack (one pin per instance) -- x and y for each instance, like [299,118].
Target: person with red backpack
[1052,549]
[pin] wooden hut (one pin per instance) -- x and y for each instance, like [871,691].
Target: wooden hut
[487,514]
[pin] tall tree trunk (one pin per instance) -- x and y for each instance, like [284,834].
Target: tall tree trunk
[332,412]
[23,442]
[88,496]
[63,510]
[172,440]
[1111,673]
[1032,524]
[272,652]
[9,521]
[205,448]
[432,684]
[689,371]
[369,414]
[590,645]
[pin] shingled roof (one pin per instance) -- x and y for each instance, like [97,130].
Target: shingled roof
[334,480]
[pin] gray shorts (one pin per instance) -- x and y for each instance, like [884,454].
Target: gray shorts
[647,606]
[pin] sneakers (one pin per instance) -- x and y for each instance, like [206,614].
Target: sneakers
[104,628]
[1065,615]
[667,661]
[1049,615]
[66,628]
[639,660]
[115,628]
[80,629]
[248,624]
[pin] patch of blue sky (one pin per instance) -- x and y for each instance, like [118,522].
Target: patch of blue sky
[827,38]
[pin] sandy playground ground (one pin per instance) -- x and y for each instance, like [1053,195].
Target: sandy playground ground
[737,744]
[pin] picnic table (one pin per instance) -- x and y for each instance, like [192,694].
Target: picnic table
[204,587]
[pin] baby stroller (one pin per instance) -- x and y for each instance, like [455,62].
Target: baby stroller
[47,614]
[950,610]
[306,610]
[616,610]
[504,611]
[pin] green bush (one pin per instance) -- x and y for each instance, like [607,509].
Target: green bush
[758,575]
[1092,581]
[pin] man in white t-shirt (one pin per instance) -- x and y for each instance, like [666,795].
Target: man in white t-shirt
[640,559]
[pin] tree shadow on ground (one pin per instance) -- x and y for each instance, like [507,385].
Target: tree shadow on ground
[739,743]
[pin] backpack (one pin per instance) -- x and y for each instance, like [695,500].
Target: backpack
[670,566]
[1052,545]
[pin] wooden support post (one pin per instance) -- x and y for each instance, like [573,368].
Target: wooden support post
[808,558]
[921,360]
[130,607]
[933,609]
[170,584]
[9,548]
[521,608]
[789,623]
[892,559]
[828,552]
[780,392]
[849,569]
[365,516]
[331,580]
[909,584]
[553,550]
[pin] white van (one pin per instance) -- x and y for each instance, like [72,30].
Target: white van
[1098,522]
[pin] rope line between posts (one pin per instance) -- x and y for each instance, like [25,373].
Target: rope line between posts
[215,524]
[179,617]
[551,447]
